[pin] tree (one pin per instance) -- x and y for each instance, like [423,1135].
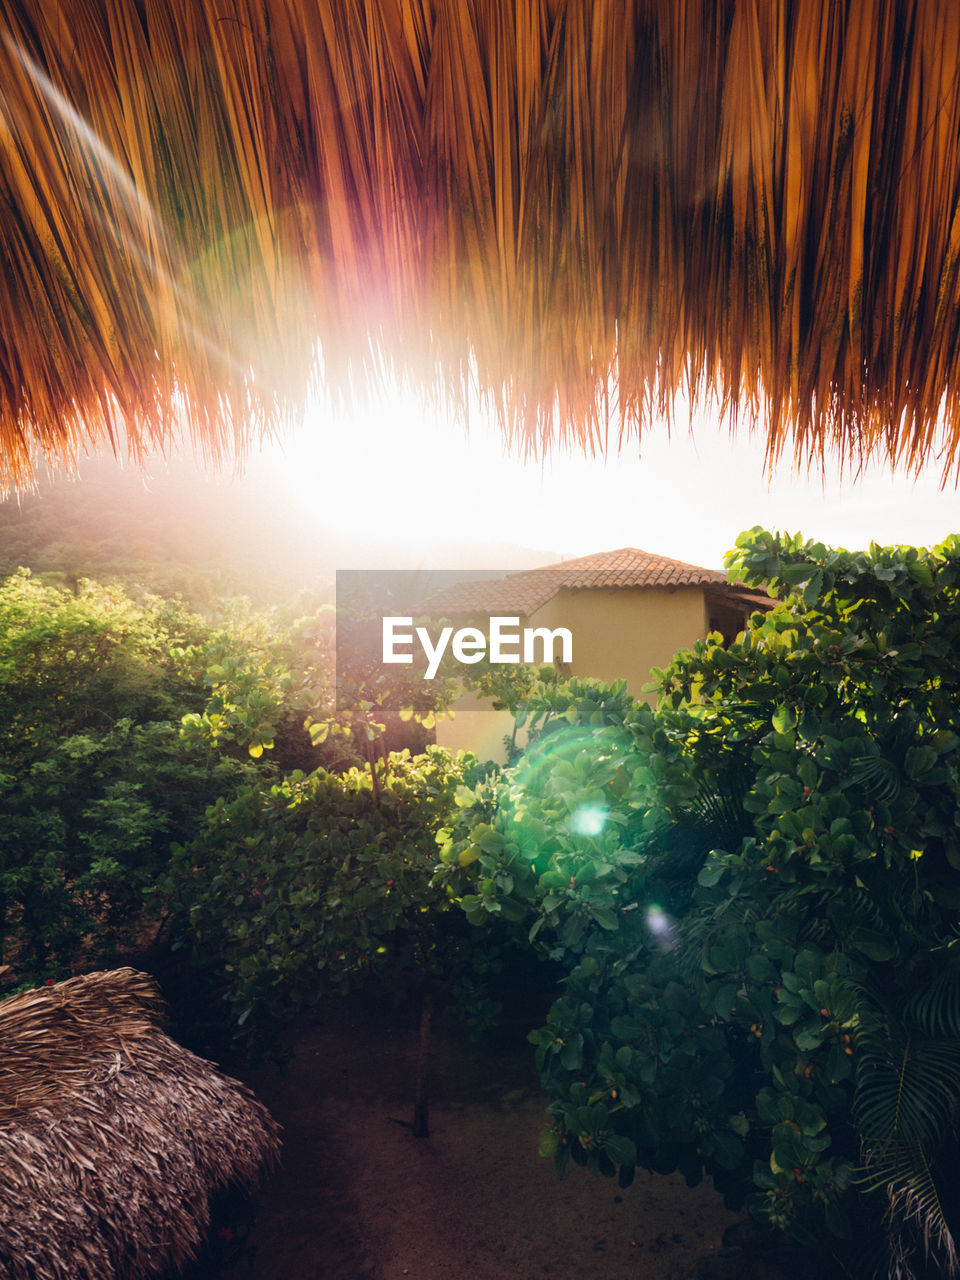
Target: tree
[754,890]
[268,673]
[94,779]
[377,710]
[317,886]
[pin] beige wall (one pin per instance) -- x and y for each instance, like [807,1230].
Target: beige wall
[622,633]
[617,634]
[476,726]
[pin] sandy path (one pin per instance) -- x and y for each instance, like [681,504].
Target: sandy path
[359,1198]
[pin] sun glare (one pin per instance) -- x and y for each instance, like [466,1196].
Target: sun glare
[394,469]
[432,494]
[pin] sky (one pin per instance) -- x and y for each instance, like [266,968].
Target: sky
[441,492]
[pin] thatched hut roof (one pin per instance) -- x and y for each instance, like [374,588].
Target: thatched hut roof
[112,1136]
[566,200]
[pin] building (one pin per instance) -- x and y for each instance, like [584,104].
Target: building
[628,611]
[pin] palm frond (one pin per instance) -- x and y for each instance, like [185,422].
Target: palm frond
[905,1108]
[914,1199]
[907,1089]
[935,1007]
[878,775]
[210,207]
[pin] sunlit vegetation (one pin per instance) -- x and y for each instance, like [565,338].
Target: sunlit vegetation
[96,780]
[753,891]
[318,885]
[749,893]
[177,533]
[126,717]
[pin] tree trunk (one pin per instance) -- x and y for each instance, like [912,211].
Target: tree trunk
[421,1105]
[372,762]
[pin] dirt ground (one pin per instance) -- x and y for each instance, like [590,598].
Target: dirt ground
[359,1198]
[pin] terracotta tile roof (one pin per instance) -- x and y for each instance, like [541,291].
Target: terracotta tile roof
[524,593]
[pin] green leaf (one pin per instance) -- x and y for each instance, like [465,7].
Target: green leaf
[727,1149]
[710,873]
[606,918]
[759,969]
[620,1149]
[724,999]
[626,1028]
[874,945]
[571,1055]
[549,1142]
[808,772]
[783,719]
[813,590]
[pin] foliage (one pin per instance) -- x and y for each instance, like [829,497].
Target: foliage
[312,886]
[273,687]
[267,673]
[527,692]
[754,891]
[361,673]
[94,780]
[178,532]
[379,709]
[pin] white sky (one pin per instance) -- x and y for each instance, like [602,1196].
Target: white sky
[431,488]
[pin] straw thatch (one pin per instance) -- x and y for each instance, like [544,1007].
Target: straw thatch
[112,1137]
[568,199]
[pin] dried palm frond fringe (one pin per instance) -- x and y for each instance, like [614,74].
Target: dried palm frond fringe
[112,1136]
[585,207]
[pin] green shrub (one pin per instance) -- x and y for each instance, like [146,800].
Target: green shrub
[313,885]
[94,779]
[266,672]
[755,893]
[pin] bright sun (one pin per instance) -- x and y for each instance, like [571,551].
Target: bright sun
[438,495]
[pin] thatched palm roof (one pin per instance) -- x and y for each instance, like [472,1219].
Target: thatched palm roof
[112,1137]
[636,196]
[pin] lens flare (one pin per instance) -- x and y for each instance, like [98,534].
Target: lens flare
[659,924]
[588,820]
[536,771]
